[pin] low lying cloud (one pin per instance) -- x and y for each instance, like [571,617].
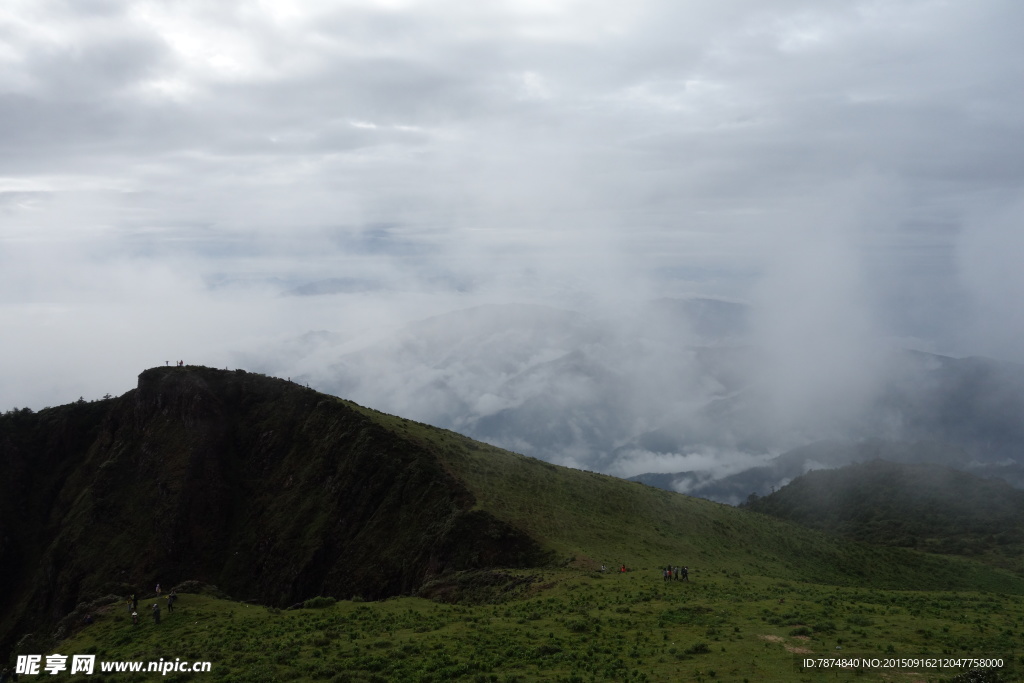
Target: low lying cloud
[293,189]
[706,465]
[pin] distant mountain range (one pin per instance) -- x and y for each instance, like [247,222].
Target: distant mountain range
[779,471]
[677,392]
[961,413]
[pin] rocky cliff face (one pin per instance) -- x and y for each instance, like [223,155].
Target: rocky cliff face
[269,490]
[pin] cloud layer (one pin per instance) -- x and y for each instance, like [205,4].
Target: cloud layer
[168,170]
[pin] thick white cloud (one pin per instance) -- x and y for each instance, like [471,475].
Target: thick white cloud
[166,169]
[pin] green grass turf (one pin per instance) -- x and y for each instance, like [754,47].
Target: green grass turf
[571,625]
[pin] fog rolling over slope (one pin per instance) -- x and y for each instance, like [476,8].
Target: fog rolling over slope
[557,384]
[684,387]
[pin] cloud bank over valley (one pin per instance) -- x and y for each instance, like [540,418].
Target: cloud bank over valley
[654,236]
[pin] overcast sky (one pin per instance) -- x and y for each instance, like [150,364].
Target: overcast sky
[169,169]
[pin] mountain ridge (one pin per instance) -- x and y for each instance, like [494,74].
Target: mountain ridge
[265,488]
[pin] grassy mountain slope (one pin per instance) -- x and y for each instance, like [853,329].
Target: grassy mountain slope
[277,493]
[267,489]
[589,519]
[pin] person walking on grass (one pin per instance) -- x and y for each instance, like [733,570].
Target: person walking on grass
[156,613]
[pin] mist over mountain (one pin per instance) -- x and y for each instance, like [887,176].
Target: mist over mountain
[557,384]
[927,507]
[779,471]
[291,190]
[959,413]
[686,393]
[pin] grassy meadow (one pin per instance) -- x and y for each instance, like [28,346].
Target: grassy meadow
[571,625]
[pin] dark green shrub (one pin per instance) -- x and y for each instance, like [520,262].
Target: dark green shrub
[319,602]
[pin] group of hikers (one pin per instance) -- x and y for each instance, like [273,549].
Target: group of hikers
[7,674]
[133,605]
[671,573]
